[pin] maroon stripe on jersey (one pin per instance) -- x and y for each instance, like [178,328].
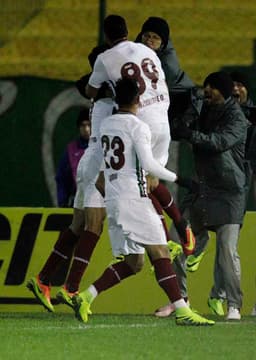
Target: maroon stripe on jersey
[141,180]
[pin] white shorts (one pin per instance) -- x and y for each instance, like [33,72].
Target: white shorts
[133,224]
[160,134]
[87,172]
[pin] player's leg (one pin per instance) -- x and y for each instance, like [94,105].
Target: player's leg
[62,252]
[175,249]
[85,247]
[113,275]
[160,149]
[166,279]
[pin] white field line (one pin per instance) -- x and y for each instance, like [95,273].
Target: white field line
[137,325]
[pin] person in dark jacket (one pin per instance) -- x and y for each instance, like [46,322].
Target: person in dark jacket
[218,139]
[155,33]
[66,171]
[241,93]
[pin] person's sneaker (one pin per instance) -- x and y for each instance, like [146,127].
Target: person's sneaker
[65,297]
[216,306]
[193,262]
[233,314]
[253,313]
[174,249]
[185,316]
[189,243]
[165,311]
[81,308]
[41,292]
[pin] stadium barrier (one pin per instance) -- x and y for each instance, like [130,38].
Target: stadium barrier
[27,236]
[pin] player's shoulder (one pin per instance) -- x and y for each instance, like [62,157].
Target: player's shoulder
[144,49]
[138,125]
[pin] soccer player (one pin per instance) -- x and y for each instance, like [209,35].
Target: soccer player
[134,225]
[137,61]
[82,235]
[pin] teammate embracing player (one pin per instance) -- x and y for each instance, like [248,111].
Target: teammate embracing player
[134,225]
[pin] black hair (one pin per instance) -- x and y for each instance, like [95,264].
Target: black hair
[84,115]
[127,91]
[115,27]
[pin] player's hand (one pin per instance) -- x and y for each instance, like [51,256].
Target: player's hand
[81,84]
[188,183]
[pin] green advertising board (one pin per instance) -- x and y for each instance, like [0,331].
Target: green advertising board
[37,120]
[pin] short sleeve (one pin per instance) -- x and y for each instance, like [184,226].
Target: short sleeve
[99,74]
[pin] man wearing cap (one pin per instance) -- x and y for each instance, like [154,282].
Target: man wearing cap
[218,138]
[155,34]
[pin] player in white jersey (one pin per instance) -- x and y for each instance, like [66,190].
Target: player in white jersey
[83,234]
[134,226]
[137,61]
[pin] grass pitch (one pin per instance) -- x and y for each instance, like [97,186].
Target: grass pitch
[60,336]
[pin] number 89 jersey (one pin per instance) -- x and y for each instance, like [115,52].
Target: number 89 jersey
[137,61]
[124,177]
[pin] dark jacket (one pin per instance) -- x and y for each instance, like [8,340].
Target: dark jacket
[250,147]
[175,76]
[218,141]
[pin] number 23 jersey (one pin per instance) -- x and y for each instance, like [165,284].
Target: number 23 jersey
[124,176]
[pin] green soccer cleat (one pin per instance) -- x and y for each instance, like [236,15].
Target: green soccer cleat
[81,308]
[193,262]
[41,292]
[174,249]
[216,306]
[117,259]
[65,297]
[185,316]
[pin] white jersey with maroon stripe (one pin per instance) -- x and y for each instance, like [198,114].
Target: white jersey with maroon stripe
[132,219]
[124,176]
[126,143]
[137,61]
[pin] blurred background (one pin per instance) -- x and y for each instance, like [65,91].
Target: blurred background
[43,49]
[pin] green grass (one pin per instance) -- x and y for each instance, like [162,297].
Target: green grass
[26,336]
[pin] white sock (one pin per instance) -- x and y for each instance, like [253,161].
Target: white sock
[180,303]
[92,289]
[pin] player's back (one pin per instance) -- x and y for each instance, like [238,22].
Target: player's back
[124,176]
[137,61]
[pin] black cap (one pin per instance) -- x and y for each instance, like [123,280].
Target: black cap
[240,77]
[158,26]
[115,27]
[222,81]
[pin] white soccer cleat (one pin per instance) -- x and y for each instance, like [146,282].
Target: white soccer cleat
[253,313]
[233,314]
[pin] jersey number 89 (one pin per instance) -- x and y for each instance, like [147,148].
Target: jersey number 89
[132,71]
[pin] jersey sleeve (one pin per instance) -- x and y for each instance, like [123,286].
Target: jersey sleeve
[142,144]
[99,74]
